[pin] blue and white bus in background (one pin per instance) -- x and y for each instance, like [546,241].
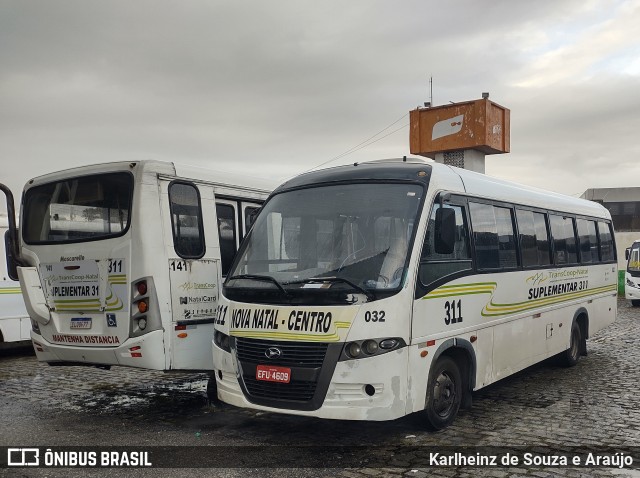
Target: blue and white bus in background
[15,324]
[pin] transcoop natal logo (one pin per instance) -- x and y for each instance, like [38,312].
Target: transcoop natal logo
[23,457]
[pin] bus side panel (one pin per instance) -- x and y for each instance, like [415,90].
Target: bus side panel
[517,318]
[194,299]
[518,344]
[602,313]
[15,324]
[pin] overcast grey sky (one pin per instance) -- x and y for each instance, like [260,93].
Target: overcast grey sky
[276,88]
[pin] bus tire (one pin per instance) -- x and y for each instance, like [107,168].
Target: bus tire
[572,354]
[635,303]
[444,394]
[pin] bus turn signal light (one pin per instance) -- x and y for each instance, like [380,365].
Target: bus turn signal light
[143,306]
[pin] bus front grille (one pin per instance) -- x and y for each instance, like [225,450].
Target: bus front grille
[311,365]
[294,354]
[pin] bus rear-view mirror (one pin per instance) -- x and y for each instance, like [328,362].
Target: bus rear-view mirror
[445,230]
[626,253]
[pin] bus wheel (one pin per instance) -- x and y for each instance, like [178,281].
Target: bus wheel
[635,303]
[444,394]
[572,354]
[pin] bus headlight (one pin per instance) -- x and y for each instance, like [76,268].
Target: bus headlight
[354,350]
[370,347]
[631,284]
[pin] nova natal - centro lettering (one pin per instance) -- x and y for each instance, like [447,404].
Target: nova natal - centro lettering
[267,319]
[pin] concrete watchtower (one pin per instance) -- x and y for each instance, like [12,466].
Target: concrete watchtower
[460,134]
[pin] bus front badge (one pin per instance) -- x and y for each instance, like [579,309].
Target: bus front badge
[273,352]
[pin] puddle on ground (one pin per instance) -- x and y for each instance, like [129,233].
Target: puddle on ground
[176,399]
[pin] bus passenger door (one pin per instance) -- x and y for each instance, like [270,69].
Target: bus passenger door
[194,299]
[449,298]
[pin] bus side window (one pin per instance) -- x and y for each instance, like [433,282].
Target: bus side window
[227,234]
[494,237]
[534,239]
[564,239]
[434,266]
[606,242]
[588,241]
[186,220]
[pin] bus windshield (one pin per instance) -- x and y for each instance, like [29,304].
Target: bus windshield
[634,258]
[78,209]
[346,236]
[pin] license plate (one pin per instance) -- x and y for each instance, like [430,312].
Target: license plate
[80,323]
[270,373]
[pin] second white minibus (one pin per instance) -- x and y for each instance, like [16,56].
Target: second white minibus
[632,274]
[377,290]
[121,263]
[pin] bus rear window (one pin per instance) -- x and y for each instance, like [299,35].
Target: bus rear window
[78,209]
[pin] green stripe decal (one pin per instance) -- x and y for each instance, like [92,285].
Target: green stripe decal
[10,290]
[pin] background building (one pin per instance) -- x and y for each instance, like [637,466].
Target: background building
[624,206]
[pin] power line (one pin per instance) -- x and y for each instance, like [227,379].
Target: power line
[366,142]
[381,137]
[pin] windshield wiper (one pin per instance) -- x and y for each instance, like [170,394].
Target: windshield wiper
[312,280]
[260,278]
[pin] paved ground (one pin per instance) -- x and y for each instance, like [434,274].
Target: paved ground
[595,404]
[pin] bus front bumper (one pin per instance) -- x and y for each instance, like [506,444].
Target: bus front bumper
[349,395]
[631,293]
[147,353]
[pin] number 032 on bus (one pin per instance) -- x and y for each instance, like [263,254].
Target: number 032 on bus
[381,289]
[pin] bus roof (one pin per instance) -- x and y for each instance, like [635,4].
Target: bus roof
[163,168]
[469,183]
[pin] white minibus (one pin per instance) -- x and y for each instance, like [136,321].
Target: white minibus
[376,290]
[632,274]
[121,263]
